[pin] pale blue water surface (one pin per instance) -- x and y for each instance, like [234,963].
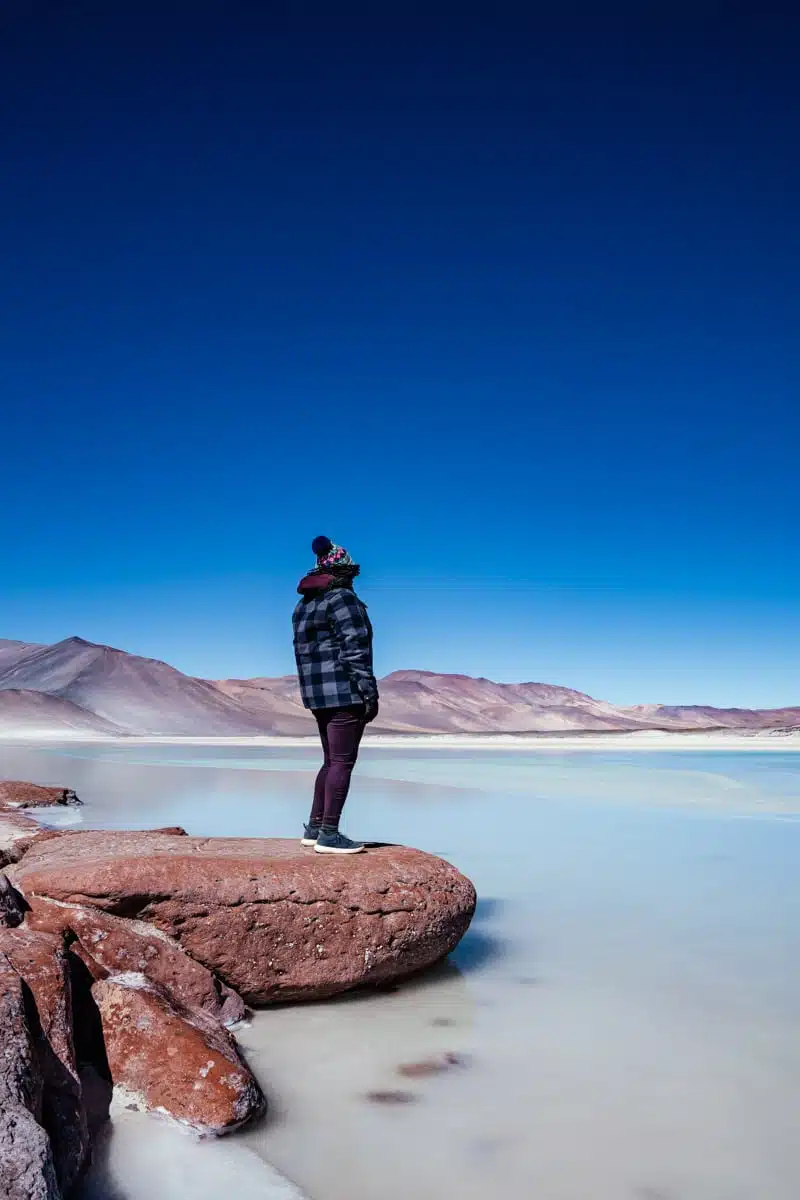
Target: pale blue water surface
[626,1004]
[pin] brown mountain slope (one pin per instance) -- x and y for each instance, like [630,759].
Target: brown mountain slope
[140,695]
[76,684]
[11,652]
[37,712]
[459,703]
[273,701]
[427,702]
[699,716]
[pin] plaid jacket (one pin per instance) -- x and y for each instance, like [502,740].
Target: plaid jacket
[333,648]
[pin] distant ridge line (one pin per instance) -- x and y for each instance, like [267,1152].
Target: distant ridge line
[78,685]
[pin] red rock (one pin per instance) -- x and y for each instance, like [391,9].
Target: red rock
[272,920]
[26,1162]
[40,960]
[17,835]
[110,945]
[15,794]
[166,1058]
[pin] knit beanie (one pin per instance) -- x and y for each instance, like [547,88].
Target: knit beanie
[330,555]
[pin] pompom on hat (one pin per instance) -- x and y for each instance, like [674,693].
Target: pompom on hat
[329,554]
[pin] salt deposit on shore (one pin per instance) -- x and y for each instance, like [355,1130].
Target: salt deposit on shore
[646,739]
[141,1157]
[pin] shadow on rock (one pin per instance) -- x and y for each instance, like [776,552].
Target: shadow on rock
[90,1048]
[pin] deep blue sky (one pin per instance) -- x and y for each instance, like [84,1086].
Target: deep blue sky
[514,316]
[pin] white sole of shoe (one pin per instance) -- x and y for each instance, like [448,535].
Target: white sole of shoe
[332,850]
[308,841]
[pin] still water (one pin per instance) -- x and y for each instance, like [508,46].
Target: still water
[624,1012]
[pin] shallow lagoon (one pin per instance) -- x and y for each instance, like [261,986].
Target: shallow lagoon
[623,1011]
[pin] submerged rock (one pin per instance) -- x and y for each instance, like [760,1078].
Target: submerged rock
[432,1066]
[166,1058]
[391,1096]
[272,920]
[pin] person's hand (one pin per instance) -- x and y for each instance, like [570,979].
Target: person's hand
[370,710]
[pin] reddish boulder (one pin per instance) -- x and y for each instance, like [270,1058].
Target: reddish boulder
[15,794]
[17,835]
[274,921]
[26,1162]
[110,945]
[165,1058]
[40,961]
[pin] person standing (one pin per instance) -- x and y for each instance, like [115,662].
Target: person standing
[333,651]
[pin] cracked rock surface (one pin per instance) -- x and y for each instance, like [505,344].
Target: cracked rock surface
[26,1161]
[173,1060]
[271,919]
[109,945]
[40,1094]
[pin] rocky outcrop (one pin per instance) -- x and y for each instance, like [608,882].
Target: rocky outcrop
[35,988]
[41,961]
[170,1059]
[17,835]
[18,832]
[110,945]
[273,921]
[27,1171]
[123,955]
[16,794]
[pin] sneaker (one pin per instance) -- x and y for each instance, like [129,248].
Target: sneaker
[310,835]
[337,843]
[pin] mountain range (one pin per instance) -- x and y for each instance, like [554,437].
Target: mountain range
[77,686]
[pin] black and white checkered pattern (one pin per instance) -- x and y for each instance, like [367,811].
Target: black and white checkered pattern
[333,649]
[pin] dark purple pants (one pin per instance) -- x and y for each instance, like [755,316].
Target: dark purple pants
[340,731]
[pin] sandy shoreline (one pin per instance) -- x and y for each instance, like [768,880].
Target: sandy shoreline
[767,740]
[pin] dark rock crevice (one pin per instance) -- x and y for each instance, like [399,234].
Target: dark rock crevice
[13,905]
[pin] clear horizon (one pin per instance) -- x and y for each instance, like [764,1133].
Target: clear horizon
[512,316]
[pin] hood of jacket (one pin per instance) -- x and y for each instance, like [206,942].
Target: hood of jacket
[315,581]
[320,579]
